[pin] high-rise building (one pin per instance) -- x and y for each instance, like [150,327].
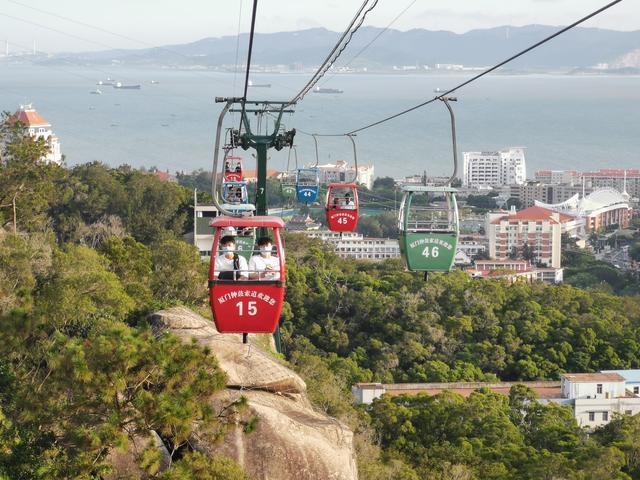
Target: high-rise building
[494,169]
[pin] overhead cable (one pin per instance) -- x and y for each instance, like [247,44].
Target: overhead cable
[246,77]
[373,40]
[480,75]
[339,47]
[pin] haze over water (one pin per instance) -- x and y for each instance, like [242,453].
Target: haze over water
[578,122]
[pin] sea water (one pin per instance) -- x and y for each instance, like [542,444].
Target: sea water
[564,121]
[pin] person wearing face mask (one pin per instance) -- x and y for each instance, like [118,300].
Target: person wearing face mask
[264,266]
[229,265]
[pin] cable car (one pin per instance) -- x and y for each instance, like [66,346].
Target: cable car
[428,229]
[342,200]
[245,304]
[342,207]
[235,192]
[232,170]
[308,184]
[288,179]
[288,185]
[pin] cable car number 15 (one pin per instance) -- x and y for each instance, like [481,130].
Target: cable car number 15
[252,309]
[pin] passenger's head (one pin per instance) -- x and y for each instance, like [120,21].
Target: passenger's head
[265,245]
[227,244]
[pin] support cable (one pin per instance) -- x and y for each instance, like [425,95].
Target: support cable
[246,77]
[337,50]
[480,75]
[373,40]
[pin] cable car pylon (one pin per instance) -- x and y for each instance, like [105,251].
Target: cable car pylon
[265,317]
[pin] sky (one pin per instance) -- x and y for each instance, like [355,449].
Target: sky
[100,25]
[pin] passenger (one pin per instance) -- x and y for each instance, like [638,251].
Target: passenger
[336,202]
[349,204]
[229,265]
[264,266]
[227,167]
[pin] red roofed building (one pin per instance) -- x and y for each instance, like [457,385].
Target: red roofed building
[38,127]
[536,227]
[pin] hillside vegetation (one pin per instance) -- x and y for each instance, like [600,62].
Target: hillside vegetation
[95,249]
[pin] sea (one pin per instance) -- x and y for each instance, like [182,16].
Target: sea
[580,122]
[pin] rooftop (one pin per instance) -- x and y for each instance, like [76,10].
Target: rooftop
[28,115]
[534,214]
[593,377]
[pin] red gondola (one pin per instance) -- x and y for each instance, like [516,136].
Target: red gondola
[247,305]
[233,169]
[342,207]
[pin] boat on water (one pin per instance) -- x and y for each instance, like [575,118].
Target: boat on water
[123,86]
[259,85]
[327,90]
[97,91]
[154,82]
[109,82]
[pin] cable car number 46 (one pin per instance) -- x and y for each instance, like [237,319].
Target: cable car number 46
[430,252]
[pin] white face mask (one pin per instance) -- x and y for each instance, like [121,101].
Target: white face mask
[228,249]
[265,251]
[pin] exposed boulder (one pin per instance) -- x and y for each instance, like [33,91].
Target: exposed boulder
[291,439]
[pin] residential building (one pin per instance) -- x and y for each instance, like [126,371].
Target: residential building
[494,169]
[38,127]
[202,231]
[555,177]
[596,397]
[622,180]
[593,397]
[538,228]
[341,172]
[632,379]
[355,245]
[529,192]
[515,271]
[367,392]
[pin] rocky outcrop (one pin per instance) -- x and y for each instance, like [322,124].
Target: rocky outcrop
[291,439]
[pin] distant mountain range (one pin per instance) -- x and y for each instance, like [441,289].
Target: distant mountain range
[579,48]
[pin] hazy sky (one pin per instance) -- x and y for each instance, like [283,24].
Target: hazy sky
[160,22]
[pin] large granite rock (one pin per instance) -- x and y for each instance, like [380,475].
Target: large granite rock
[291,440]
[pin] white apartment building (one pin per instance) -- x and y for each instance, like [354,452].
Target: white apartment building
[355,245]
[596,397]
[341,171]
[494,169]
[36,126]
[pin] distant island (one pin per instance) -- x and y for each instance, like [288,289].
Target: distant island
[582,50]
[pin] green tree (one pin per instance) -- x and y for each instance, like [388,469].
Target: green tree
[178,273]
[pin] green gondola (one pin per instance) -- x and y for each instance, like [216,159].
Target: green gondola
[428,230]
[428,219]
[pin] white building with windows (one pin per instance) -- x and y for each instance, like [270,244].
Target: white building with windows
[355,245]
[341,171]
[36,126]
[597,397]
[494,169]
